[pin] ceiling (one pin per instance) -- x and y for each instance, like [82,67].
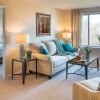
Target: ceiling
[68,4]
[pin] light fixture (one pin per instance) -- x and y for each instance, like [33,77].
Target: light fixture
[67,36]
[22,39]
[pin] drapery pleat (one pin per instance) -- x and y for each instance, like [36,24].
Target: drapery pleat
[76,25]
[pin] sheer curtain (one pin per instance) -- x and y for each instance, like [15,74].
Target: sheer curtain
[76,27]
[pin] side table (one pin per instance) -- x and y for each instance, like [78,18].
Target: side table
[24,67]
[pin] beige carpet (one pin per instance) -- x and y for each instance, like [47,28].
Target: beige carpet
[58,88]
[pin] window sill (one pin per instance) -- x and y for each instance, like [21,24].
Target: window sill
[95,47]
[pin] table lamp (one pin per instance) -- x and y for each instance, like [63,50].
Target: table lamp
[67,36]
[22,39]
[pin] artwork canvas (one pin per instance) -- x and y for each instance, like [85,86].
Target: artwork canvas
[43,24]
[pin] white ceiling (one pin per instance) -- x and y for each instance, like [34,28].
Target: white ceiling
[68,4]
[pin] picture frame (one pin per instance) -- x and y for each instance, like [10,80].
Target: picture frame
[43,24]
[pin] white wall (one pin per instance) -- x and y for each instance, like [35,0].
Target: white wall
[1,24]
[20,17]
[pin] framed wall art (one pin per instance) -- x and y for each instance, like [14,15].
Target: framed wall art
[43,24]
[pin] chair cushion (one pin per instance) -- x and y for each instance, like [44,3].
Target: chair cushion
[91,83]
[51,47]
[58,60]
[68,47]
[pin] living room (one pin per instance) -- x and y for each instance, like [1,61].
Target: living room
[19,18]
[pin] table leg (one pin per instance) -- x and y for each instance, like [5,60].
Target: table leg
[66,70]
[12,69]
[23,72]
[36,68]
[25,68]
[86,72]
[98,64]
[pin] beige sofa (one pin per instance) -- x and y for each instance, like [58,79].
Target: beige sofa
[86,90]
[52,63]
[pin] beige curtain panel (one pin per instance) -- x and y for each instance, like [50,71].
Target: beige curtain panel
[76,27]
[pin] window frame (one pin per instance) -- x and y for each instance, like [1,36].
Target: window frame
[88,44]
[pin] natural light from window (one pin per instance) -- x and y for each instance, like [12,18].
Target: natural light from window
[90,30]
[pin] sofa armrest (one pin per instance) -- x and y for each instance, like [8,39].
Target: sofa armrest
[41,57]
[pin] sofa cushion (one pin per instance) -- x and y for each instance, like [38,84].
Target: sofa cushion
[51,47]
[70,57]
[58,60]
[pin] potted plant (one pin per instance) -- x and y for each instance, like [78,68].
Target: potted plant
[87,52]
[28,53]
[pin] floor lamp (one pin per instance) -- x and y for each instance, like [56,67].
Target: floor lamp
[22,39]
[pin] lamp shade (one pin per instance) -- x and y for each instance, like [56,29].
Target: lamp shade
[69,35]
[22,38]
[66,35]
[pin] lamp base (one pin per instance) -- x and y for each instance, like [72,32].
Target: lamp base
[22,51]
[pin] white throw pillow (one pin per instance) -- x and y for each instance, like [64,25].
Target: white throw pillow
[44,46]
[51,46]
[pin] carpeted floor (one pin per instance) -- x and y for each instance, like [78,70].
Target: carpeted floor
[58,88]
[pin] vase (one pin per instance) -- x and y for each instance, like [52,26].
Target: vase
[87,56]
[29,55]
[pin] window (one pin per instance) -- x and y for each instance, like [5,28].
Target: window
[90,29]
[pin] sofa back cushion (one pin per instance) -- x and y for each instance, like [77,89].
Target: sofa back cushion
[51,47]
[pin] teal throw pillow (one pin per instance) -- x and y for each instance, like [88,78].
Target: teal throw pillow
[68,47]
[44,51]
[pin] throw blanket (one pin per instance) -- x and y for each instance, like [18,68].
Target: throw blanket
[60,49]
